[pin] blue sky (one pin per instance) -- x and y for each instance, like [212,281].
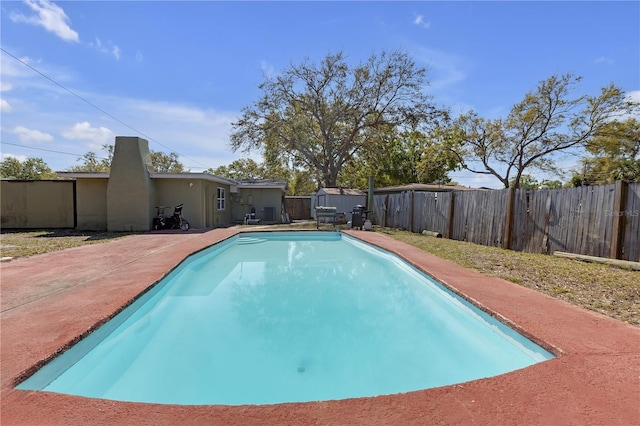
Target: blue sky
[178,73]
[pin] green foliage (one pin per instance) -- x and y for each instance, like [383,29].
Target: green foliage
[551,184]
[163,163]
[409,157]
[303,182]
[30,169]
[614,154]
[160,162]
[92,163]
[245,168]
[299,182]
[526,182]
[323,117]
[530,182]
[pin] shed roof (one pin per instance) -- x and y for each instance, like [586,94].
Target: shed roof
[341,191]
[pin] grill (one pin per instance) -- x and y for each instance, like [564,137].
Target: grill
[326,212]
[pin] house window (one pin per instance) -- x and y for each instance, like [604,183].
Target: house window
[220,198]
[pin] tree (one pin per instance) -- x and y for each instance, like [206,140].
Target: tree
[160,162]
[94,164]
[245,168]
[321,115]
[614,154]
[410,156]
[30,169]
[163,163]
[303,182]
[551,184]
[547,121]
[527,182]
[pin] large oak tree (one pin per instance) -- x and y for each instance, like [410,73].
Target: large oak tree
[318,116]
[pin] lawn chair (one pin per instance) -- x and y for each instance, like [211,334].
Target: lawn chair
[250,218]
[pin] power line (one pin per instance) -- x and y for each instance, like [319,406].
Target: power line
[43,149]
[95,106]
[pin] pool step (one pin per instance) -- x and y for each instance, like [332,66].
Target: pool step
[250,240]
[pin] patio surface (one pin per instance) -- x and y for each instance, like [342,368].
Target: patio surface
[49,300]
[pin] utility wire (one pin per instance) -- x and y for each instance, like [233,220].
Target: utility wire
[95,106]
[47,150]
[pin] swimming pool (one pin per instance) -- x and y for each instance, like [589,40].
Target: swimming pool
[282,317]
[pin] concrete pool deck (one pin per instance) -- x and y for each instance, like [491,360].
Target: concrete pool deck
[48,300]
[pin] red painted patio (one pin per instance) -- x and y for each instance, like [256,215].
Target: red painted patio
[50,300]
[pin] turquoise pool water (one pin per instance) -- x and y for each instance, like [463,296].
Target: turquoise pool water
[287,317]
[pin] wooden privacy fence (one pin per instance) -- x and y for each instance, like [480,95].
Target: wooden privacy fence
[602,221]
[298,207]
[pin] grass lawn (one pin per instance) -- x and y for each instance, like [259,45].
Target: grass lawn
[602,288]
[609,290]
[28,243]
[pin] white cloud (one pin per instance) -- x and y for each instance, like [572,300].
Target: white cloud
[444,69]
[4,106]
[139,57]
[109,48]
[200,136]
[28,135]
[633,96]
[268,70]
[20,158]
[96,136]
[13,68]
[419,20]
[49,16]
[475,180]
[603,60]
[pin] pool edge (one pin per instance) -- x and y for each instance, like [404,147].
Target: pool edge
[595,381]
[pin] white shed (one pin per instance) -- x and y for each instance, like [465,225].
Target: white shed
[343,199]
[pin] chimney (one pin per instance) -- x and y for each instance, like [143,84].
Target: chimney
[129,191]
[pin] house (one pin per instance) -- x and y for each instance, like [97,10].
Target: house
[125,199]
[265,196]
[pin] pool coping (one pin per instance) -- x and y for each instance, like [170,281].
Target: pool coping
[595,378]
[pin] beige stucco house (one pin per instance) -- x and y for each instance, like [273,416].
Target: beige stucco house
[125,199]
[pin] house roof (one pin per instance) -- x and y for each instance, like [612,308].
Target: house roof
[188,175]
[262,183]
[242,183]
[341,191]
[82,175]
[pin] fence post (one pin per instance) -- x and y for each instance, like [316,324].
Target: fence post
[617,210]
[411,205]
[370,200]
[386,209]
[451,214]
[508,222]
